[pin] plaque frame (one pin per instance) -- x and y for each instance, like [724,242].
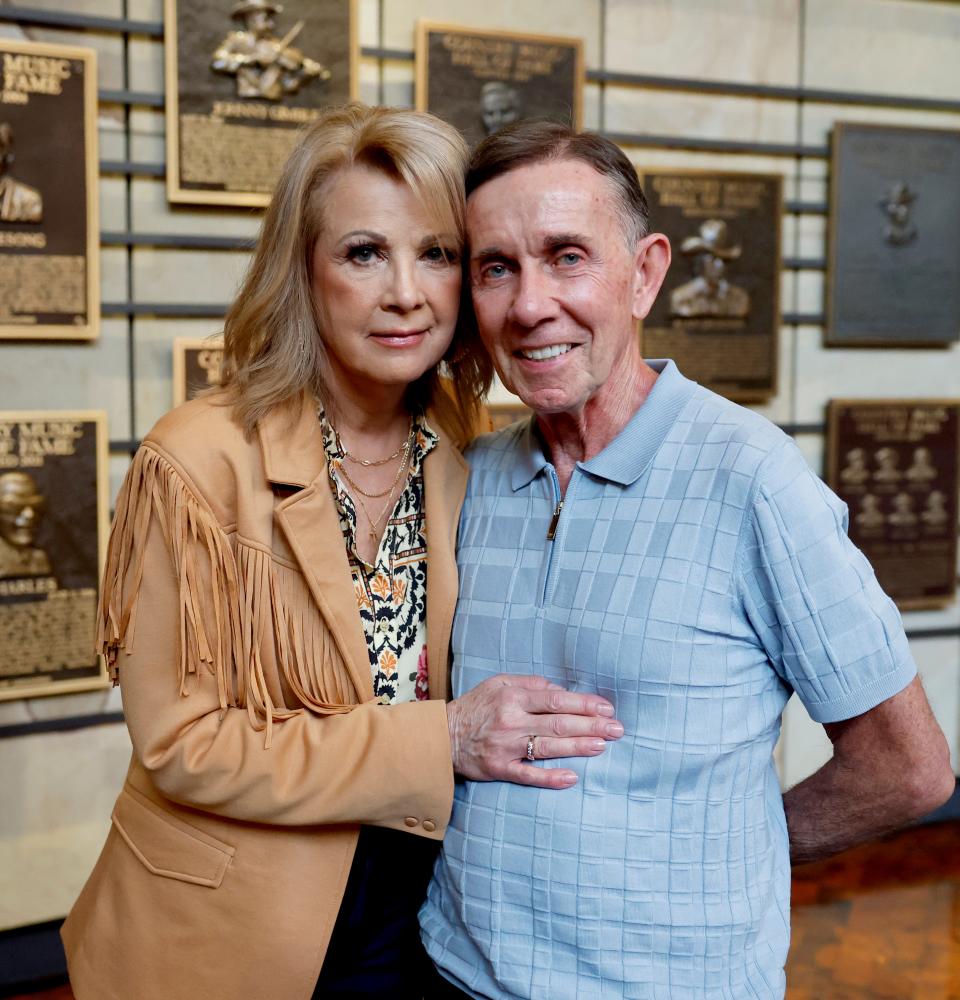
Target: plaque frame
[176,193]
[779,181]
[831,338]
[100,680]
[832,469]
[181,345]
[426,27]
[90,330]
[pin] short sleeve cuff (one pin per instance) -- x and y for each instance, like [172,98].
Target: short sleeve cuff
[863,699]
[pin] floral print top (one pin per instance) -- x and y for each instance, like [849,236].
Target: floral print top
[392,593]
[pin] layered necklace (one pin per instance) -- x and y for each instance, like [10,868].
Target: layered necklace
[403,453]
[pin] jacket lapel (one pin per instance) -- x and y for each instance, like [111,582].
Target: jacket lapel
[444,484]
[293,456]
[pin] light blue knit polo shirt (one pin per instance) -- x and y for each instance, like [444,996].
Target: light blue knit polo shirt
[700,573]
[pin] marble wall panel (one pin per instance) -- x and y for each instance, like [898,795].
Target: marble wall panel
[837,373]
[58,791]
[153,214]
[895,47]
[194,276]
[698,116]
[818,119]
[145,64]
[746,41]
[576,18]
[154,362]
[68,375]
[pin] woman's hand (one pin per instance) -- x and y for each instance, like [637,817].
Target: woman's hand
[490,727]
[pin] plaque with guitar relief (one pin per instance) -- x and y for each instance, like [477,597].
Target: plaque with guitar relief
[480,80]
[196,366]
[894,246]
[49,222]
[718,312]
[241,79]
[53,531]
[895,464]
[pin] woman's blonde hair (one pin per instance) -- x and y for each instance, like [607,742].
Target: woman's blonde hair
[272,348]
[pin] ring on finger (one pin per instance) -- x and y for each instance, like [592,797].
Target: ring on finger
[531,748]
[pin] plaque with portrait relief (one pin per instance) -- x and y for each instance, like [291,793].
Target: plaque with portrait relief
[481,80]
[49,220]
[242,76]
[894,463]
[718,312]
[894,245]
[196,366]
[53,532]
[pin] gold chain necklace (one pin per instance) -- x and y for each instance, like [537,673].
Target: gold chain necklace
[374,528]
[376,461]
[396,479]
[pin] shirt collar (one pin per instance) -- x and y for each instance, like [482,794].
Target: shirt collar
[624,460]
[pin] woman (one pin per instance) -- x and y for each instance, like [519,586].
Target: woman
[285,745]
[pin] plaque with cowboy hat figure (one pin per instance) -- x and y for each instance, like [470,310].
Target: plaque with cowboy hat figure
[242,77]
[49,221]
[718,315]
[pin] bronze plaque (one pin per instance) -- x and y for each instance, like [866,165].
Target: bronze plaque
[718,313]
[894,463]
[480,81]
[504,414]
[242,77]
[53,529]
[894,247]
[49,224]
[196,366]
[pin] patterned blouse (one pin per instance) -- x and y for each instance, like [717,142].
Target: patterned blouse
[392,593]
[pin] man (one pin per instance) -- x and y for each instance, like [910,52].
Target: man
[18,201]
[710,293]
[647,540]
[21,507]
[266,67]
[499,105]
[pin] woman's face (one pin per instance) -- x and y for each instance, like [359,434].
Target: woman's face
[386,284]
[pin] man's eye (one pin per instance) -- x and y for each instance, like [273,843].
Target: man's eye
[494,271]
[570,257]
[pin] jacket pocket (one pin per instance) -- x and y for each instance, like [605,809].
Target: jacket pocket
[167,846]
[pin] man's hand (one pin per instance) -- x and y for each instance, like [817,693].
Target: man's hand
[890,765]
[490,725]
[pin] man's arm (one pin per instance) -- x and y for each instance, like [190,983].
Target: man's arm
[890,765]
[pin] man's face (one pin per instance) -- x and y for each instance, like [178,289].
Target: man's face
[712,268]
[21,507]
[498,108]
[556,289]
[260,23]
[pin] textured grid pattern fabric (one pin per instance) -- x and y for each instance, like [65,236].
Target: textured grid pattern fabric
[700,573]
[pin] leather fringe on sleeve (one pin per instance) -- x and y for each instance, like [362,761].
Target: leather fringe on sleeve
[231,603]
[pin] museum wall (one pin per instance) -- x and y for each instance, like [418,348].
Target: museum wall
[63,757]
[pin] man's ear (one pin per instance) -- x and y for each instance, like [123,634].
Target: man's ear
[651,262]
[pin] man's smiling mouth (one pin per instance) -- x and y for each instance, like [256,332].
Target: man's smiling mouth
[545,353]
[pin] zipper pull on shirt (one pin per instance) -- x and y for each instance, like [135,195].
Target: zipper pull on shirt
[552,530]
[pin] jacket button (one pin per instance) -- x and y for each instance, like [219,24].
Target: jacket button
[429,825]
[411,821]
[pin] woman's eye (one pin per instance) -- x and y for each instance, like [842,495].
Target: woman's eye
[442,255]
[362,254]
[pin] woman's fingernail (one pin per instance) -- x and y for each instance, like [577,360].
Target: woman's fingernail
[615,730]
[606,710]
[568,778]
[598,745]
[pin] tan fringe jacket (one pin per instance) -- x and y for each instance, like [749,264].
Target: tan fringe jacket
[229,616]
